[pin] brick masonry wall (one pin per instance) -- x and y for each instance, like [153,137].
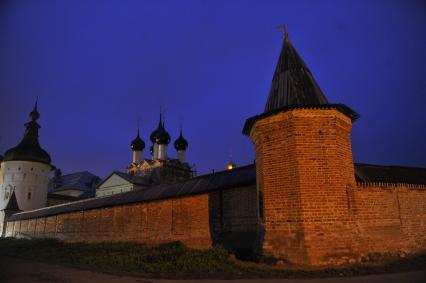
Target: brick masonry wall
[315,213]
[184,219]
[304,168]
[227,217]
[234,220]
[390,217]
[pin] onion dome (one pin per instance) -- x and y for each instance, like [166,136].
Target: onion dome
[160,135]
[138,144]
[29,148]
[181,143]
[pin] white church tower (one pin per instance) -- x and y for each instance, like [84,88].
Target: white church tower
[25,170]
[160,138]
[137,147]
[181,145]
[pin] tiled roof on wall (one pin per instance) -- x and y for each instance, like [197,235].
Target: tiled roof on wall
[239,177]
[389,174]
[242,176]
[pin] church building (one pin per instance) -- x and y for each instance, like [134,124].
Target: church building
[158,169]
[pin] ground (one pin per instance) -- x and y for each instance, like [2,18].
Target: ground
[25,271]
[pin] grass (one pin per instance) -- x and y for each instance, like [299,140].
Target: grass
[174,260]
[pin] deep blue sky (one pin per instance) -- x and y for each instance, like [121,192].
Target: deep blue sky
[98,65]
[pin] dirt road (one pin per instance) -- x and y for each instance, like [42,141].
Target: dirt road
[24,271]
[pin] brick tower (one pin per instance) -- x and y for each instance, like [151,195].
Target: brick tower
[304,167]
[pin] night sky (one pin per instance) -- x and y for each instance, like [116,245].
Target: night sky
[97,66]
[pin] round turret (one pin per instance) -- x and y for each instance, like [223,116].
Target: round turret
[181,143]
[25,169]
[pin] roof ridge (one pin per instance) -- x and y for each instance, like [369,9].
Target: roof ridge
[389,166]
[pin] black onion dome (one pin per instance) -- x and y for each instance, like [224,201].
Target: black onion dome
[181,143]
[163,136]
[29,148]
[138,144]
[154,134]
[160,135]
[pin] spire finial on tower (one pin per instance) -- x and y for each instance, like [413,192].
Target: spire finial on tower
[34,115]
[284,28]
[162,111]
[180,124]
[138,144]
[138,121]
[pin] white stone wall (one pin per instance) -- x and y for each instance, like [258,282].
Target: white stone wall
[137,156]
[114,185]
[2,223]
[155,153]
[162,151]
[181,155]
[70,192]
[28,179]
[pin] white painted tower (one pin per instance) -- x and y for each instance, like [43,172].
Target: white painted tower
[160,139]
[137,147]
[25,170]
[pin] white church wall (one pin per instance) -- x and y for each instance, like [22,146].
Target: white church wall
[2,223]
[181,156]
[162,151]
[113,185]
[28,179]
[70,192]
[137,156]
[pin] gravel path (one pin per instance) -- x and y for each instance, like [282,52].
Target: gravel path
[15,270]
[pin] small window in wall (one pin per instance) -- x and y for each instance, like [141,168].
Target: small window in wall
[32,169]
[8,192]
[29,195]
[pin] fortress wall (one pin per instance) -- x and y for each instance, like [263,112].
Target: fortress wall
[234,219]
[183,219]
[389,217]
[198,221]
